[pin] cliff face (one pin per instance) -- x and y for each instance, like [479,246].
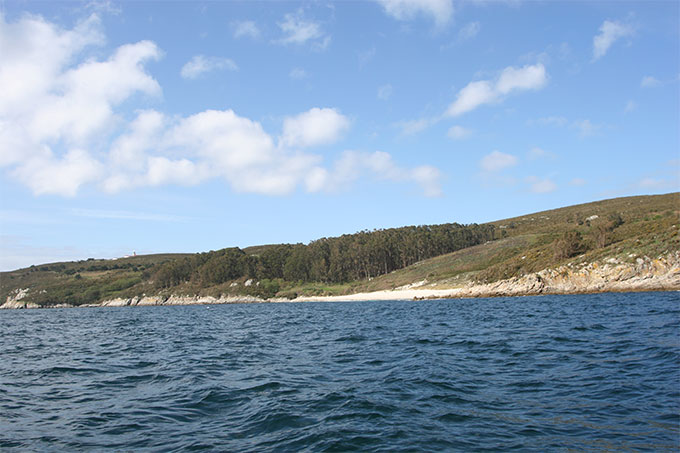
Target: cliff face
[612,275]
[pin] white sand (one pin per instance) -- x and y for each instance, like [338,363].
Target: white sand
[398,294]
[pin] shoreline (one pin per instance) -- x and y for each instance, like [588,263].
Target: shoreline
[612,276]
[376,296]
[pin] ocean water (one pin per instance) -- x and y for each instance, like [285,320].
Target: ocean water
[594,372]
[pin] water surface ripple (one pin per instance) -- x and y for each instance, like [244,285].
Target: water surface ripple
[595,372]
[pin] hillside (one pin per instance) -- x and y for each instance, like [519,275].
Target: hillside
[621,230]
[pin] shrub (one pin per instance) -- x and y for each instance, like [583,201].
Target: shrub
[570,244]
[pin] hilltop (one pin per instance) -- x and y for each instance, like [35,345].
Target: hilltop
[629,243]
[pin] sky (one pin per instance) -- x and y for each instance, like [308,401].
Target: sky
[168,126]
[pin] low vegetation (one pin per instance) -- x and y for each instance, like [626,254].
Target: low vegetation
[438,255]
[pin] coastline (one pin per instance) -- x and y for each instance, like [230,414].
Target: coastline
[645,274]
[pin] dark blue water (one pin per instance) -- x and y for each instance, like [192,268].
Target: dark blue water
[597,372]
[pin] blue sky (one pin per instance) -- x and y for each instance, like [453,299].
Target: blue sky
[193,126]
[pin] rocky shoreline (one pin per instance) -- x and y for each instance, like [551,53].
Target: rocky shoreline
[610,275]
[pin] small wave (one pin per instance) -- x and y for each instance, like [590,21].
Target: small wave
[352,338]
[452,417]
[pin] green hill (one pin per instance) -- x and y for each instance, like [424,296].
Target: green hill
[440,256]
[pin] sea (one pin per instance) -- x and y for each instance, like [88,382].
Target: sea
[549,373]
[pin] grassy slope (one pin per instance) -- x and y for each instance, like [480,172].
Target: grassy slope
[650,228]
[525,244]
[70,280]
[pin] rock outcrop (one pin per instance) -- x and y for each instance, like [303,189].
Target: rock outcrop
[612,275]
[178,300]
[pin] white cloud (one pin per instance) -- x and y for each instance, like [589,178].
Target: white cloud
[530,77]
[441,11]
[314,127]
[298,31]
[385,92]
[33,56]
[578,182]
[458,132]
[472,96]
[60,130]
[246,28]
[129,150]
[55,107]
[298,74]
[469,31]
[610,32]
[649,82]
[352,164]
[49,174]
[414,127]
[538,185]
[496,161]
[200,64]
[475,94]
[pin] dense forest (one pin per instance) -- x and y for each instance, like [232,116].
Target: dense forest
[346,258]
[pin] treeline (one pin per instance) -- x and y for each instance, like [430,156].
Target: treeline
[346,258]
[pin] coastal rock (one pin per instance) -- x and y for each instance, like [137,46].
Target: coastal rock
[662,273]
[155,300]
[178,300]
[118,302]
[15,301]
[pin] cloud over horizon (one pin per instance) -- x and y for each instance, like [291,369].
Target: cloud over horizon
[62,128]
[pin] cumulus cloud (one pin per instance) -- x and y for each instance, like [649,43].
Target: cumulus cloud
[49,174]
[441,11]
[497,161]
[51,104]
[61,129]
[610,32]
[352,164]
[578,182]
[314,127]
[475,94]
[200,64]
[245,29]
[298,31]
